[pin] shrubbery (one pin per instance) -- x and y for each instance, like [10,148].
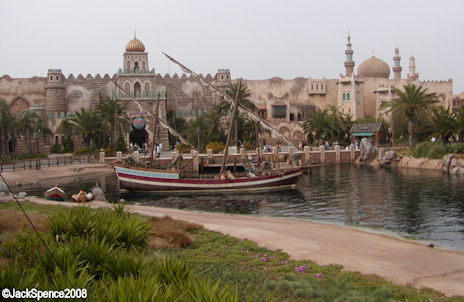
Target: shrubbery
[121,144]
[183,148]
[215,146]
[104,252]
[436,149]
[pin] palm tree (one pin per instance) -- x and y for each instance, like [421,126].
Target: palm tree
[459,117]
[6,125]
[319,126]
[30,123]
[84,123]
[112,113]
[411,101]
[226,108]
[210,125]
[443,123]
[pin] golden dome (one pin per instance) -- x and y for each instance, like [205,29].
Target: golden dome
[135,45]
[373,68]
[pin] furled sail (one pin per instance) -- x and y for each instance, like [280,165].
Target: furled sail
[160,120]
[266,125]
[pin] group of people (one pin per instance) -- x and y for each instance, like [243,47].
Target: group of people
[145,149]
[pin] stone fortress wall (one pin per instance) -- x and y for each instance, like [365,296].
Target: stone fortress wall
[286,103]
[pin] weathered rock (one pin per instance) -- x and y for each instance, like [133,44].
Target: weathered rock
[456,167]
[387,159]
[368,151]
[446,162]
[21,195]
[98,193]
[3,187]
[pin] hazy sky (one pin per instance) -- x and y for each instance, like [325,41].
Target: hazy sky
[254,39]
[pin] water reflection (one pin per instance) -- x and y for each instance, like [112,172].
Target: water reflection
[422,204]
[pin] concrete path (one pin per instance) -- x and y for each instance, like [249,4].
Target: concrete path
[394,259]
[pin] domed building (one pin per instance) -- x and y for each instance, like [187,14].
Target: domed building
[374,68]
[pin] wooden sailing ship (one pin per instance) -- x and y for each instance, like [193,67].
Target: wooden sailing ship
[136,178]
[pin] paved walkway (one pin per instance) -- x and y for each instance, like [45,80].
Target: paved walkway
[394,259]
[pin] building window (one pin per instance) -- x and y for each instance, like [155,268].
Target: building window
[136,66]
[262,113]
[57,78]
[292,117]
[147,88]
[344,97]
[127,87]
[348,96]
[137,88]
[51,78]
[322,86]
[299,116]
[279,111]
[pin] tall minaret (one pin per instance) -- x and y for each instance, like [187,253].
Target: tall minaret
[349,63]
[412,75]
[396,64]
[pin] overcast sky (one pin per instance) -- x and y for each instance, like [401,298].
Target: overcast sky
[254,39]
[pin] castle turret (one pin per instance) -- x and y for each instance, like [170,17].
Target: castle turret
[412,75]
[349,63]
[222,78]
[55,92]
[396,64]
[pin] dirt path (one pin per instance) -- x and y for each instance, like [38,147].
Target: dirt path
[394,259]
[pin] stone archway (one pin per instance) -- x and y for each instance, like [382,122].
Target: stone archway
[18,105]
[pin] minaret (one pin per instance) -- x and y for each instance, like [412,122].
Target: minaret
[412,75]
[349,63]
[396,64]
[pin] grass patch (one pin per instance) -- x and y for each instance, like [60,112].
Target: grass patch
[436,149]
[91,247]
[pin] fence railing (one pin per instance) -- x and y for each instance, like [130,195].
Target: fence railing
[46,162]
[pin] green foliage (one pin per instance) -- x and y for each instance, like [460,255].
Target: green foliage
[215,146]
[121,144]
[328,125]
[183,148]
[68,144]
[82,151]
[15,275]
[56,148]
[130,289]
[436,149]
[111,113]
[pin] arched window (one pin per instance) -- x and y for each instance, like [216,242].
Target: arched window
[127,87]
[292,117]
[348,96]
[344,97]
[137,89]
[299,116]
[136,66]
[57,78]
[128,65]
[51,78]
[222,77]
[147,88]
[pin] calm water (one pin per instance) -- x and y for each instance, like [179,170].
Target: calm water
[423,205]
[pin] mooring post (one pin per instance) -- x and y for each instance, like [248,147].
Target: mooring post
[101,158]
[352,153]
[307,155]
[209,152]
[195,162]
[337,154]
[119,156]
[322,153]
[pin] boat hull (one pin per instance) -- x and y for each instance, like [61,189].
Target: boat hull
[134,180]
[55,193]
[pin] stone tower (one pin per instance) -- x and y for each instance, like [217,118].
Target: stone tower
[222,78]
[55,92]
[396,64]
[136,79]
[349,63]
[412,75]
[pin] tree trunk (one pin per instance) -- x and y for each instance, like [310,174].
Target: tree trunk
[411,132]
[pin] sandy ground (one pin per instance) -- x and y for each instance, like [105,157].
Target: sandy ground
[397,260]
[51,175]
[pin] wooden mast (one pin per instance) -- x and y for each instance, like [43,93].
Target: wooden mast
[229,131]
[154,132]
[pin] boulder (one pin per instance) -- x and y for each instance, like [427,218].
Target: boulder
[456,167]
[98,193]
[386,158]
[3,187]
[447,162]
[368,151]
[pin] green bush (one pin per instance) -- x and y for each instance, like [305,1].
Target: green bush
[81,151]
[68,144]
[436,149]
[121,144]
[56,148]
[215,146]
[183,148]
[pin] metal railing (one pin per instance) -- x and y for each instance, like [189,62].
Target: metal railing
[47,162]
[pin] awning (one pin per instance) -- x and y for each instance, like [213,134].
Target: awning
[363,134]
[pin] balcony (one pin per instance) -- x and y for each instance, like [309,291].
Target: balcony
[138,72]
